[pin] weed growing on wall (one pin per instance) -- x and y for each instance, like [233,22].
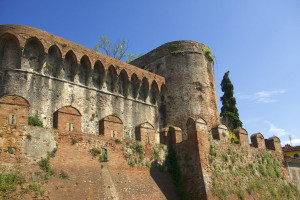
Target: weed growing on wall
[34,121]
[95,152]
[262,178]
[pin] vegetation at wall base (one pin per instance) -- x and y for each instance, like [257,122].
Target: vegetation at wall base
[95,152]
[178,180]
[262,179]
[35,121]
[229,112]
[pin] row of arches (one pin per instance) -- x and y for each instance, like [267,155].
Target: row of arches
[33,57]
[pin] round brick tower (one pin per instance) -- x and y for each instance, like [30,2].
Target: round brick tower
[189,72]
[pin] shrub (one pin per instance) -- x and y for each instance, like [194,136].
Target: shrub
[9,182]
[117,141]
[34,187]
[233,138]
[139,149]
[44,165]
[95,152]
[224,157]
[212,150]
[103,157]
[63,175]
[34,121]
[11,150]
[1,134]
[74,141]
[29,137]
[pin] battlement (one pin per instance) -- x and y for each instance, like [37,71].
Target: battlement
[44,50]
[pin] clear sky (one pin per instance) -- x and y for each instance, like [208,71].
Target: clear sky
[258,41]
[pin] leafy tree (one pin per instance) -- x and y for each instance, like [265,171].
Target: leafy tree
[229,112]
[117,50]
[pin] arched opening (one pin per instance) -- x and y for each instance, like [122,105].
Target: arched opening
[135,84]
[296,155]
[111,79]
[67,119]
[14,110]
[123,83]
[98,75]
[9,52]
[70,66]
[52,67]
[34,53]
[154,94]
[144,89]
[84,70]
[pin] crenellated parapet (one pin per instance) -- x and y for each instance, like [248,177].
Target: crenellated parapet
[33,50]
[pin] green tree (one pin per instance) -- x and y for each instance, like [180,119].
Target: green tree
[116,50]
[229,112]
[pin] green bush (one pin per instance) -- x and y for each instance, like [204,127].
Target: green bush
[29,137]
[95,152]
[117,141]
[9,182]
[11,150]
[74,141]
[63,175]
[34,187]
[34,121]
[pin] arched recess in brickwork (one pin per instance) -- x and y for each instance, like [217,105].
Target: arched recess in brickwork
[84,70]
[154,93]
[123,83]
[53,62]
[111,79]
[34,53]
[111,127]
[67,119]
[14,110]
[10,54]
[70,66]
[98,75]
[144,89]
[135,84]
[145,133]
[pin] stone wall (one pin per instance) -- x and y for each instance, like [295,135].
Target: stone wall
[45,70]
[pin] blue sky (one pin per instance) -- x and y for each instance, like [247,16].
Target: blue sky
[258,41]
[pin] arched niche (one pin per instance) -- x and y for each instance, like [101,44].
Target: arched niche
[53,62]
[154,92]
[14,110]
[134,88]
[123,83]
[98,75]
[10,55]
[34,53]
[67,119]
[70,66]
[144,89]
[84,70]
[111,79]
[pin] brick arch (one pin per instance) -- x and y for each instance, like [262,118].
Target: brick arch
[67,119]
[135,84]
[34,53]
[111,127]
[84,70]
[70,66]
[154,94]
[53,62]
[111,78]
[143,94]
[10,53]
[14,110]
[98,74]
[145,133]
[123,83]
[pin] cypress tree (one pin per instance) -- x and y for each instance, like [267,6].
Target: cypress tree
[229,112]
